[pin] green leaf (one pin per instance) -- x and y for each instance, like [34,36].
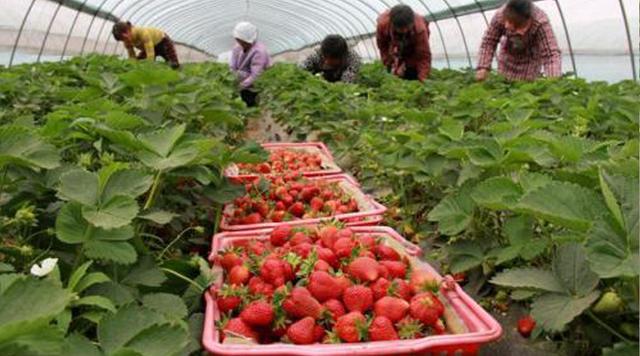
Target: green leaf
[116,330]
[530,278]
[21,147]
[115,213]
[621,349]
[168,304]
[48,340]
[78,345]
[451,128]
[119,120]
[454,213]
[29,304]
[225,192]
[498,193]
[554,311]
[163,140]
[564,204]
[119,294]
[465,255]
[572,270]
[118,252]
[159,216]
[77,274]
[79,186]
[610,199]
[522,294]
[132,183]
[160,340]
[72,228]
[612,248]
[145,273]
[91,279]
[148,76]
[96,301]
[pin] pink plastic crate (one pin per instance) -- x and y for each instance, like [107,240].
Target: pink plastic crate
[370,211]
[232,172]
[480,327]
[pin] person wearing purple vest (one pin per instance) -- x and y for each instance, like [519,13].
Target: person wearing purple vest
[248,60]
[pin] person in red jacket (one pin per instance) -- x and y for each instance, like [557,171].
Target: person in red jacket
[403,42]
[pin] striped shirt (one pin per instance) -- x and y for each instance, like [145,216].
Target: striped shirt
[522,57]
[348,73]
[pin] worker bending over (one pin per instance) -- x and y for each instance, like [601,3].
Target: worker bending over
[334,60]
[151,42]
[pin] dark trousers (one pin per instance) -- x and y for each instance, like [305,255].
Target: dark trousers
[250,97]
[165,49]
[410,74]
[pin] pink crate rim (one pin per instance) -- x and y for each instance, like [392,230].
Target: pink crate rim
[274,145]
[378,210]
[489,328]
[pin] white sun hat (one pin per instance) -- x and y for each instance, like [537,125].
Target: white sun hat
[245,31]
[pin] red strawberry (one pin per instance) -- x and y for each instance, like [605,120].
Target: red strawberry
[343,247]
[239,327]
[256,247]
[323,286]
[297,209]
[382,329]
[364,269]
[300,238]
[426,307]
[257,286]
[379,288]
[230,259]
[401,289]
[346,232]
[396,269]
[276,271]
[328,256]
[319,332]
[422,280]
[280,235]
[358,298]
[391,307]
[334,307]
[264,168]
[316,204]
[239,275]
[252,219]
[287,200]
[302,332]
[344,281]
[383,271]
[258,313]
[526,324]
[226,304]
[306,194]
[303,250]
[439,328]
[321,265]
[277,216]
[329,235]
[367,241]
[351,327]
[301,303]
[385,252]
[409,328]
[367,253]
[279,206]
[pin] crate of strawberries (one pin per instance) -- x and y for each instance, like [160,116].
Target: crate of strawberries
[311,159]
[299,200]
[332,290]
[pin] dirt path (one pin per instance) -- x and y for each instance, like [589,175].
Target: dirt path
[265,129]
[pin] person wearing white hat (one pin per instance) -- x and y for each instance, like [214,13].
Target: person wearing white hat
[249,58]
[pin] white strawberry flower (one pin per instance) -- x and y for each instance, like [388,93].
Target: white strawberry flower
[44,268]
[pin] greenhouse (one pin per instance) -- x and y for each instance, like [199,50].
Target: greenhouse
[335,177]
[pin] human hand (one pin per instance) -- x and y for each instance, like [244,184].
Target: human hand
[482,74]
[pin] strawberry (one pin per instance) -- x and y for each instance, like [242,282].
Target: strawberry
[367,253]
[335,308]
[367,242]
[276,271]
[358,298]
[343,247]
[302,332]
[396,269]
[257,286]
[346,232]
[239,275]
[426,307]
[344,281]
[383,271]
[329,235]
[300,238]
[328,256]
[252,219]
[323,286]
[351,327]
[422,280]
[316,204]
[230,259]
[301,303]
[297,209]
[306,194]
[379,288]
[364,269]
[401,289]
[277,216]
[409,328]
[321,265]
[239,327]
[319,333]
[226,304]
[264,168]
[258,313]
[391,307]
[382,329]
[526,324]
[279,206]
[256,247]
[303,250]
[385,252]
[439,328]
[280,235]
